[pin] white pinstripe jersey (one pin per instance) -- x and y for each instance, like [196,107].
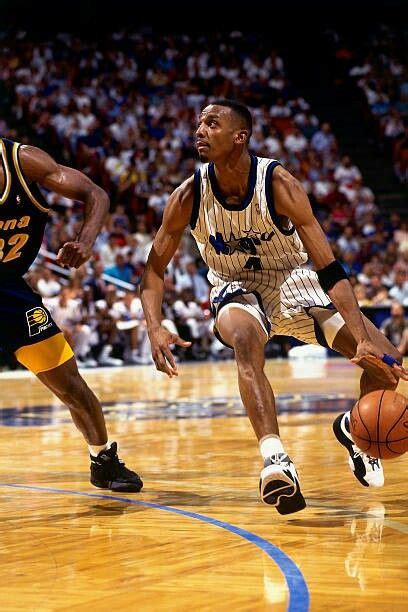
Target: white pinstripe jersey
[243,242]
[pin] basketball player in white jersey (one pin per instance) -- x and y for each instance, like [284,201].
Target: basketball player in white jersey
[255,229]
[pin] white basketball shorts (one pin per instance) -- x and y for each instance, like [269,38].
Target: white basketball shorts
[281,301]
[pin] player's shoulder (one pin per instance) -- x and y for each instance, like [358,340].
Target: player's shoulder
[185,191]
[180,204]
[283,177]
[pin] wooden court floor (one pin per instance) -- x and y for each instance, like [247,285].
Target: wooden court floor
[197,537]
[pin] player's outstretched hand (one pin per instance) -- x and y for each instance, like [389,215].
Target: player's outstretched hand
[160,340]
[73,254]
[385,366]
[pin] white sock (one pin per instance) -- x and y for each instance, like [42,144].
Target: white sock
[95,450]
[270,445]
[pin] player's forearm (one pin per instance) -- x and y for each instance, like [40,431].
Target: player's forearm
[342,296]
[151,295]
[96,209]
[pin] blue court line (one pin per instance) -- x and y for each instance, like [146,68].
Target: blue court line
[298,591]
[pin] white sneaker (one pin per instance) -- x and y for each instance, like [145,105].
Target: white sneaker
[368,470]
[105,358]
[89,362]
[279,485]
[110,361]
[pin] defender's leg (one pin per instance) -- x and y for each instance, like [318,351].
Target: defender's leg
[53,363]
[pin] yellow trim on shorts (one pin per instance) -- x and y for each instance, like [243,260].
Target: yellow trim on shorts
[45,355]
[22,179]
[7,178]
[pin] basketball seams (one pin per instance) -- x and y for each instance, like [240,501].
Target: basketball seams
[393,427]
[378,423]
[376,435]
[362,422]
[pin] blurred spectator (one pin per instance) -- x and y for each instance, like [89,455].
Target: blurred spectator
[399,290]
[403,346]
[47,285]
[194,281]
[360,291]
[295,142]
[96,283]
[351,266]
[394,327]
[323,140]
[345,172]
[109,251]
[122,270]
[188,313]
[348,240]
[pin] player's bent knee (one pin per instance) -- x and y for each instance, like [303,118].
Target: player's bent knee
[45,355]
[237,323]
[247,338]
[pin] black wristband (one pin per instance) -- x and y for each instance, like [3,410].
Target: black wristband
[330,275]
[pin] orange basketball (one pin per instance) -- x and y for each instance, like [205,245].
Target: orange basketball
[379,424]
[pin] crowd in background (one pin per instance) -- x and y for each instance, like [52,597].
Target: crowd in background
[377,64]
[123,110]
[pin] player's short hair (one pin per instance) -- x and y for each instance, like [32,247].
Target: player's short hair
[238,108]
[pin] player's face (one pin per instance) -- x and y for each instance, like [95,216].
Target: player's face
[218,133]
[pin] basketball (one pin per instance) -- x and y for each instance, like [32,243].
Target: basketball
[379,424]
[38,316]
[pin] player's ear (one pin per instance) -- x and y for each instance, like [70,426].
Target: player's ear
[242,137]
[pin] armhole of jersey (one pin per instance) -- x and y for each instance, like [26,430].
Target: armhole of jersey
[270,200]
[7,174]
[196,200]
[23,182]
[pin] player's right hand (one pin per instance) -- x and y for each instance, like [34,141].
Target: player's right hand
[372,359]
[73,254]
[160,340]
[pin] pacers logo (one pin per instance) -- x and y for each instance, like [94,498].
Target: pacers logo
[37,320]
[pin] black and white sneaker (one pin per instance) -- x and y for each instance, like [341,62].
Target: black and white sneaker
[109,472]
[368,470]
[279,485]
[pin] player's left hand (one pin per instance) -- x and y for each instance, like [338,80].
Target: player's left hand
[73,254]
[369,357]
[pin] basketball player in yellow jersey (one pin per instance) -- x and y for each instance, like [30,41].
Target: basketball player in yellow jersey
[27,328]
[255,229]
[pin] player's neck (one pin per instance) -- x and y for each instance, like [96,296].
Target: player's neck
[233,170]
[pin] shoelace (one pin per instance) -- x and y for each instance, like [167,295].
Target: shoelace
[276,459]
[373,461]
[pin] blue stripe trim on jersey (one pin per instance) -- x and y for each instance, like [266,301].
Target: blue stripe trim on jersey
[196,200]
[223,299]
[250,188]
[261,306]
[270,200]
[320,337]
